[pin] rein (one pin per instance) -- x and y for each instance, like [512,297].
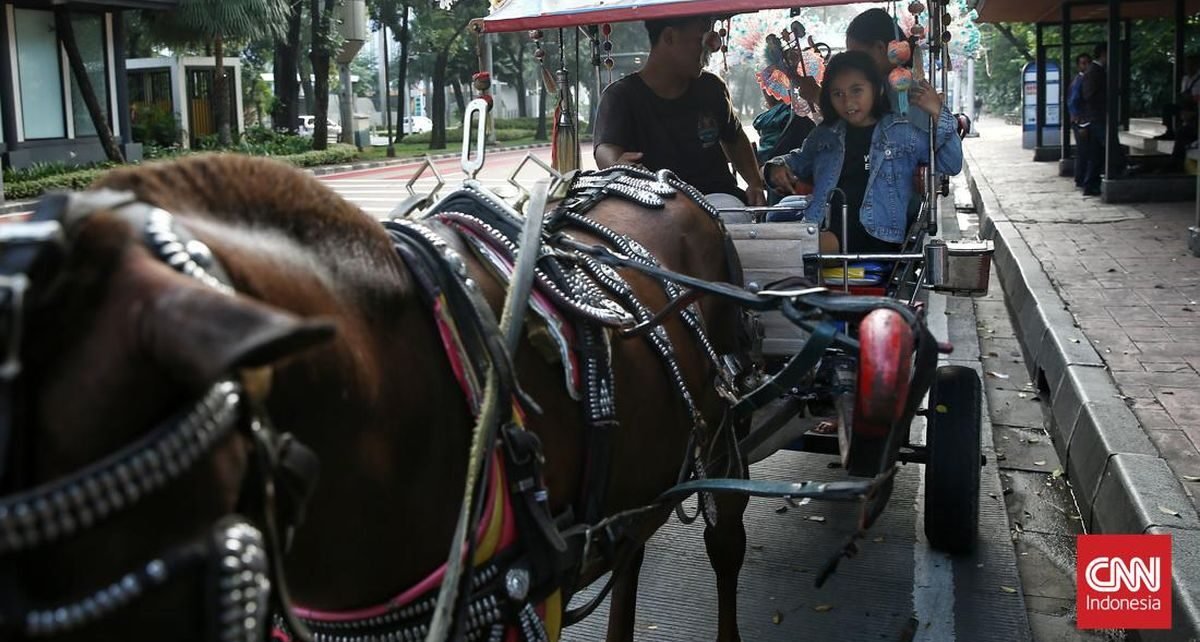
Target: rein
[242,562]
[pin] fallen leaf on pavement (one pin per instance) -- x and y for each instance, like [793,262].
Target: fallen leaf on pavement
[652,627]
[822,608]
[1192,478]
[1074,340]
[1168,511]
[878,540]
[1008,589]
[1034,440]
[777,618]
[1040,462]
[1058,472]
[941,408]
[816,518]
[998,375]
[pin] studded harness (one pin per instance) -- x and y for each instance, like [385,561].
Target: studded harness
[241,561]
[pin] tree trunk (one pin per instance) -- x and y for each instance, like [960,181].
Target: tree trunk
[402,103]
[221,93]
[437,139]
[540,134]
[286,114]
[66,36]
[522,106]
[459,99]
[322,14]
[306,83]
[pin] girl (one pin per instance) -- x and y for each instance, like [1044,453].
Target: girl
[867,152]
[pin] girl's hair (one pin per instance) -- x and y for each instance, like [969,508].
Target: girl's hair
[853,61]
[871,26]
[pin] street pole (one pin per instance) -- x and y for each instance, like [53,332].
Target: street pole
[386,93]
[970,98]
[347,104]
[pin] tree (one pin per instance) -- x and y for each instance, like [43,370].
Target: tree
[286,65]
[216,23]
[66,36]
[394,15]
[324,44]
[439,30]
[511,47]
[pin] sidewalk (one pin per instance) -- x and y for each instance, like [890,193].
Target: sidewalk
[1105,304]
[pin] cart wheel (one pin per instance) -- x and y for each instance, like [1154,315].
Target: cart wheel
[952,471]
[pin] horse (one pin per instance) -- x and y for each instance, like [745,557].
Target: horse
[123,339]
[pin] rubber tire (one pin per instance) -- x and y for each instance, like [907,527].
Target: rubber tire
[952,471]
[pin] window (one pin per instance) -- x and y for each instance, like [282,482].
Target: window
[40,69]
[89,34]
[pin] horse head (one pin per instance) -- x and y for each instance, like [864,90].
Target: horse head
[130,428]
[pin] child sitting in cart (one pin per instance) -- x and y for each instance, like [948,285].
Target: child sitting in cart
[861,158]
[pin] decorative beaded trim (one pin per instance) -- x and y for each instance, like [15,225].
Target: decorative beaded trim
[485,616]
[241,567]
[64,507]
[192,258]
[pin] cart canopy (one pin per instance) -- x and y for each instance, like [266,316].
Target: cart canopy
[519,15]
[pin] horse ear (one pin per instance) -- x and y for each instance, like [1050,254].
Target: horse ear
[200,335]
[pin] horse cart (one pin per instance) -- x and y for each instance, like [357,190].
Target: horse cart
[147,470]
[849,380]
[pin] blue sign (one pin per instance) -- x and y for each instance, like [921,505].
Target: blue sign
[1051,128]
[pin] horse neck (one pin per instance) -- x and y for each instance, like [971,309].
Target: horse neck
[382,409]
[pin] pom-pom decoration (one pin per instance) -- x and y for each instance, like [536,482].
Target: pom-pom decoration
[901,80]
[899,52]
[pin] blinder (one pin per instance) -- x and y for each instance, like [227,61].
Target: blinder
[242,561]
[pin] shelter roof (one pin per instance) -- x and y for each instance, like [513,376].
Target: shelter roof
[1050,11]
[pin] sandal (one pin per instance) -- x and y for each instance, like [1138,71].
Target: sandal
[824,428]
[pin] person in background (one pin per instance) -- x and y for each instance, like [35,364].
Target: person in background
[1074,106]
[1091,120]
[674,115]
[1184,102]
[870,32]
[770,125]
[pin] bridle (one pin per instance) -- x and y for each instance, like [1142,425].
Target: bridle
[241,559]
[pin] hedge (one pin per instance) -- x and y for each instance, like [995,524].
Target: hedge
[80,179]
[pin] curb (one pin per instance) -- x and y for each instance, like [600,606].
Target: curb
[1120,480]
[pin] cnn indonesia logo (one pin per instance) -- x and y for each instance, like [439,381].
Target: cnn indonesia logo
[1123,581]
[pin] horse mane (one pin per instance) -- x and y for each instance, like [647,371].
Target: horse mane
[251,192]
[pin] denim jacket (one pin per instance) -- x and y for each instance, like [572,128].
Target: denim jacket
[897,146]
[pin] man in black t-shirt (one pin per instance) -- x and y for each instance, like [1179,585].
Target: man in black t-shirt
[674,115]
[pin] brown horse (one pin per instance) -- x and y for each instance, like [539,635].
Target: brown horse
[124,340]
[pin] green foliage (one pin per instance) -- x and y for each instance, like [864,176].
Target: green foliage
[202,21]
[260,141]
[454,136]
[1151,70]
[76,179]
[39,171]
[155,125]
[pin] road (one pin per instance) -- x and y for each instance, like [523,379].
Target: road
[897,588]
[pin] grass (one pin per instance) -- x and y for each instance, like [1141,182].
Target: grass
[416,150]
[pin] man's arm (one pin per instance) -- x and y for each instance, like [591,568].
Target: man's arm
[741,154]
[608,154]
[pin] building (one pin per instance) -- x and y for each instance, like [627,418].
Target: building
[42,115]
[183,86]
